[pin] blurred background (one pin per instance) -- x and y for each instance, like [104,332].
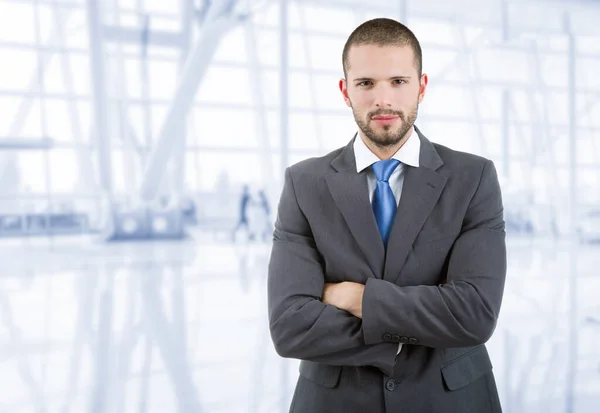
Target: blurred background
[142,150]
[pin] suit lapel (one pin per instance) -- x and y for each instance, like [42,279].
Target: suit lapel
[420,192]
[350,192]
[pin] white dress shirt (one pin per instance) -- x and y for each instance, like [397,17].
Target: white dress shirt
[408,154]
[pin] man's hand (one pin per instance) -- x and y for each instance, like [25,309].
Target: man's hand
[346,296]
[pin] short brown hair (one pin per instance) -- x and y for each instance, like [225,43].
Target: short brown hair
[383,32]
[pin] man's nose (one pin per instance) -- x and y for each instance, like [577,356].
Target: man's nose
[383,97]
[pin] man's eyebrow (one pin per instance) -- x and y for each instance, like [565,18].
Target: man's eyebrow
[362,79]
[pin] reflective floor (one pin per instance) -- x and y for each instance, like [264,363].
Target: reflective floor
[182,327]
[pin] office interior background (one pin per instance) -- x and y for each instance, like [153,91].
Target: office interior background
[142,150]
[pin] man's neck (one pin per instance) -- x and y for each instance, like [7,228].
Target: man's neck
[385,152]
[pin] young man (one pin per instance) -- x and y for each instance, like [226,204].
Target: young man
[389,261]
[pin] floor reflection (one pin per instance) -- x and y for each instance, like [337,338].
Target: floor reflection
[182,327]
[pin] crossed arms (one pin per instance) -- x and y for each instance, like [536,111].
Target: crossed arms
[344,324]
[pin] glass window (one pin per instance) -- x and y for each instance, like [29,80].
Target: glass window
[31,172]
[224,85]
[16,23]
[21,73]
[226,128]
[65,171]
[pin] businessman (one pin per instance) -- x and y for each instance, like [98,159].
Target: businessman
[388,264]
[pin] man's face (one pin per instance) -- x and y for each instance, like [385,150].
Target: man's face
[384,91]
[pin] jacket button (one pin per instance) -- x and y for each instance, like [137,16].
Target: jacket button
[387,336]
[404,340]
[396,338]
[412,340]
[390,385]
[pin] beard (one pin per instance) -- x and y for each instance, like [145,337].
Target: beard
[390,135]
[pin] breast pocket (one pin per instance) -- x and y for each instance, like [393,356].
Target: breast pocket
[438,233]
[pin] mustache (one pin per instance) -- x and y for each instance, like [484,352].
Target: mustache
[382,112]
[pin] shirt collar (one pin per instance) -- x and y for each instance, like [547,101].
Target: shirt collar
[408,154]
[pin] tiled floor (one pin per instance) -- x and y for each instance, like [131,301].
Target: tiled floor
[182,327]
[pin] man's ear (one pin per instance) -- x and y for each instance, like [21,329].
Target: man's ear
[344,89]
[423,86]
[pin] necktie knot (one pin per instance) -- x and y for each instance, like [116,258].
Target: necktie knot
[384,169]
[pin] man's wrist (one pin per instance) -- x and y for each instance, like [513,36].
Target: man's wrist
[358,298]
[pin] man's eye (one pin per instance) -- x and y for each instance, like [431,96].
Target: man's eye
[364,83]
[399,81]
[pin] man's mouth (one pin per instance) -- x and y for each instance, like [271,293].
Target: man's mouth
[385,119]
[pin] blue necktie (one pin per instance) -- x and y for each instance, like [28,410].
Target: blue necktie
[384,203]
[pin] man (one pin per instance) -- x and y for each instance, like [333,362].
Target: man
[389,260]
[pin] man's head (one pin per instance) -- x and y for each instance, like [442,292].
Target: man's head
[383,81]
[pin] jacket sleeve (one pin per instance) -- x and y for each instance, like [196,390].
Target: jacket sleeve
[301,325]
[463,311]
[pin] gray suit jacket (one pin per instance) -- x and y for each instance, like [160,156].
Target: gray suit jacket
[438,289]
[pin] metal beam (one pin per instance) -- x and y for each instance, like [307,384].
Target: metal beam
[87,178]
[403,11]
[573,342]
[25,143]
[311,79]
[123,35]
[99,92]
[283,84]
[126,130]
[8,161]
[178,162]
[475,97]
[145,85]
[257,91]
[284,102]
[505,133]
[506,95]
[192,73]
[541,140]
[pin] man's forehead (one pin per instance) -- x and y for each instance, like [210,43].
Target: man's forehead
[392,62]
[365,54]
